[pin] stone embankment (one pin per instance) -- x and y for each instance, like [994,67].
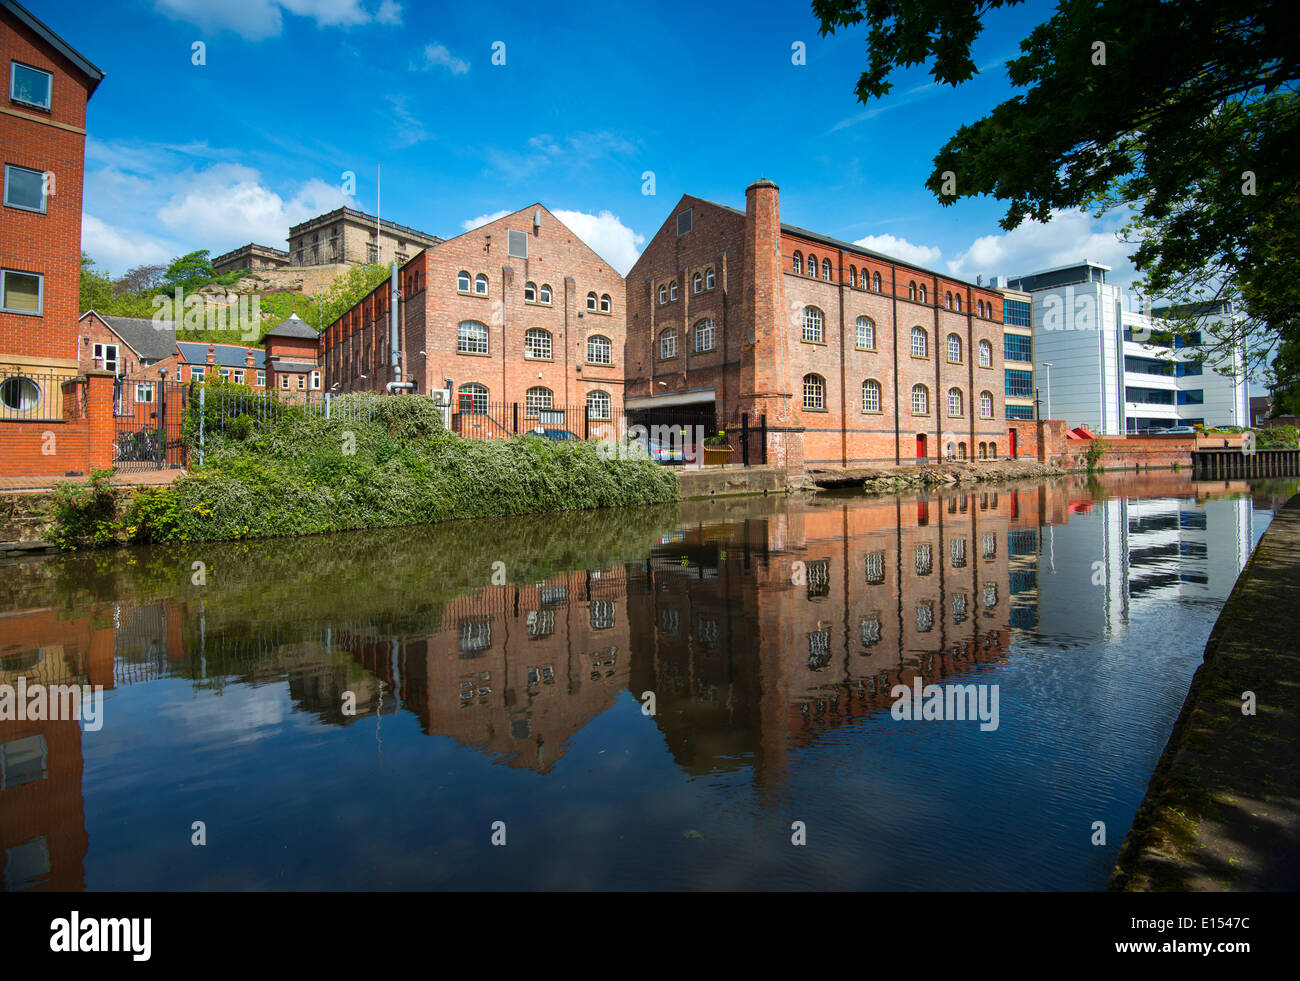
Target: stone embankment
[1222,811]
[892,479]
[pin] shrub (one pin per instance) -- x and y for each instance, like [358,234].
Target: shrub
[85,514]
[1276,438]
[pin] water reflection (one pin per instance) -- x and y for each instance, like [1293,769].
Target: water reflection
[769,632]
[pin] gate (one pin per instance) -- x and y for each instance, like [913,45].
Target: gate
[148,421]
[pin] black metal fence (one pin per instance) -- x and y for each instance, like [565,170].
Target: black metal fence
[27,396]
[148,425]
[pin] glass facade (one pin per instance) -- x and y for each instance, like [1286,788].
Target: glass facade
[1020,384]
[1017,347]
[1020,412]
[1016,313]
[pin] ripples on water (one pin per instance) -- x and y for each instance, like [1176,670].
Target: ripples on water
[770,632]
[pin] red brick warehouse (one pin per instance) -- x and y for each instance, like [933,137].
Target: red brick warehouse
[855,358]
[519,310]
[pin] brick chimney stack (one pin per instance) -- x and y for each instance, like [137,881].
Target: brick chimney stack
[248,358]
[212,354]
[765,385]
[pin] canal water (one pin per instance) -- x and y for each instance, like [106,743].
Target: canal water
[689,697]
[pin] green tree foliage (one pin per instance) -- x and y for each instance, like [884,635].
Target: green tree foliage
[1183,112]
[96,287]
[190,271]
[344,293]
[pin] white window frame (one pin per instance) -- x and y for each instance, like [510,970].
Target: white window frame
[537,344]
[985,354]
[668,343]
[467,343]
[534,400]
[464,282]
[709,279]
[955,397]
[813,325]
[145,389]
[986,405]
[704,336]
[954,338]
[920,343]
[594,411]
[606,304]
[922,394]
[603,350]
[481,280]
[544,294]
[315,379]
[870,387]
[814,391]
[867,325]
[261,379]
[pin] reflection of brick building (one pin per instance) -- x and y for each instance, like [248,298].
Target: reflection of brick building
[853,356]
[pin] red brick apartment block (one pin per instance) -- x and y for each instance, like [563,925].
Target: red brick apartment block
[855,358]
[519,310]
[42,139]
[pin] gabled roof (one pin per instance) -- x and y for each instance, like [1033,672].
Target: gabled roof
[150,340]
[225,355]
[79,61]
[294,326]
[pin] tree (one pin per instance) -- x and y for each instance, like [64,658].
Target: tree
[141,279]
[345,291]
[96,287]
[1184,112]
[188,271]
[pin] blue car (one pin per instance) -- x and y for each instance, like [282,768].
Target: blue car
[555,434]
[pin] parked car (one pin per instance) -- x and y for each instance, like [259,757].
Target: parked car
[560,435]
[666,453]
[1179,429]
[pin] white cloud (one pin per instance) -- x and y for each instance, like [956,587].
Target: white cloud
[469,224]
[436,55]
[116,252]
[255,20]
[607,236]
[1069,237]
[228,205]
[901,248]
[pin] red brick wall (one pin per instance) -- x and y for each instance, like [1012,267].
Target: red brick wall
[434,307]
[48,243]
[80,442]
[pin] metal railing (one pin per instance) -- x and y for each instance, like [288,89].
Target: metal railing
[32,396]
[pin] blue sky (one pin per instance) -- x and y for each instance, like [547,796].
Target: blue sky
[295,93]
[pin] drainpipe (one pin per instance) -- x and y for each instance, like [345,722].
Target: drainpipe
[395,339]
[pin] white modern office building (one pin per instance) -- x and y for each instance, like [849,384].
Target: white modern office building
[1099,363]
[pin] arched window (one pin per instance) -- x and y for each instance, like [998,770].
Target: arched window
[668,344]
[606,304]
[600,350]
[545,295]
[708,279]
[536,399]
[993,455]
[920,343]
[920,400]
[986,405]
[814,325]
[697,283]
[598,405]
[471,338]
[980,307]
[875,282]
[798,262]
[871,395]
[954,349]
[866,334]
[530,292]
[853,276]
[472,399]
[704,336]
[984,451]
[537,344]
[480,284]
[961,451]
[947,300]
[663,294]
[814,392]
[463,281]
[826,270]
[920,294]
[592,301]
[812,265]
[986,354]
[911,291]
[954,402]
[957,300]
[672,290]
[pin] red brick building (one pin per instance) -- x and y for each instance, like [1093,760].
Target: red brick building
[47,411]
[519,311]
[854,357]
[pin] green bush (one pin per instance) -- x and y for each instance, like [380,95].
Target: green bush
[1276,438]
[304,476]
[85,514]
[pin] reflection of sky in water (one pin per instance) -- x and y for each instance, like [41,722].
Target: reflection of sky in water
[703,796]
